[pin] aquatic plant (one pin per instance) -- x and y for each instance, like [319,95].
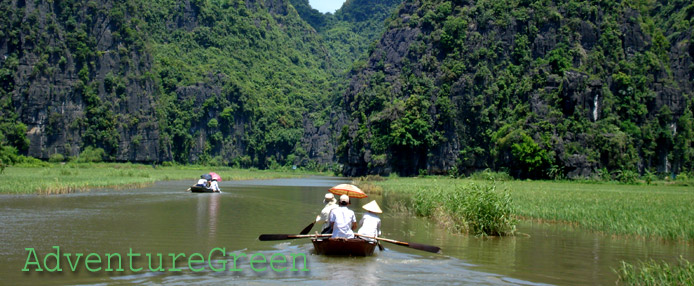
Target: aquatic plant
[468,208]
[651,272]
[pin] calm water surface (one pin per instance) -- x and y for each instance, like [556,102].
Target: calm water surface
[165,219]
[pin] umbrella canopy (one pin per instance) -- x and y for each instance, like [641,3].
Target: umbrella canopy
[347,189]
[215,176]
[206,177]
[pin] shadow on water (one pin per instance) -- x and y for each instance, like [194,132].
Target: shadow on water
[163,219]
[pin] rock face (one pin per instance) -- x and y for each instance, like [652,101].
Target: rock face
[83,74]
[449,87]
[51,81]
[564,77]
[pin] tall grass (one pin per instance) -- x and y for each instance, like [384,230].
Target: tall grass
[470,208]
[73,177]
[656,273]
[661,212]
[460,205]
[637,210]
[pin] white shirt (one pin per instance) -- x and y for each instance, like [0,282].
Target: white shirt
[325,213]
[370,225]
[214,186]
[343,219]
[202,182]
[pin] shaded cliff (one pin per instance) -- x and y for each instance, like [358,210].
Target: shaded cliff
[189,81]
[536,88]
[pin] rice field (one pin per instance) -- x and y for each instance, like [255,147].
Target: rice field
[74,177]
[648,211]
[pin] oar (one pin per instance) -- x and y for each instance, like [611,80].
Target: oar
[308,228]
[267,237]
[429,248]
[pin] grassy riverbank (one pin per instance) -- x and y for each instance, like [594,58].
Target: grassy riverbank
[654,273]
[649,211]
[72,177]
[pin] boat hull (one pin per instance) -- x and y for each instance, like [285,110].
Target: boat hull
[198,189]
[343,247]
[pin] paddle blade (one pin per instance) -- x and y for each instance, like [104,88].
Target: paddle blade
[429,248]
[267,237]
[308,228]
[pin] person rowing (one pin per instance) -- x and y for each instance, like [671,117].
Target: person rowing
[214,186]
[330,204]
[342,220]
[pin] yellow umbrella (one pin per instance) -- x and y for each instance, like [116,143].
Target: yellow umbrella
[348,189]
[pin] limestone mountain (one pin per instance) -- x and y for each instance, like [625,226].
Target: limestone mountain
[541,89]
[229,82]
[537,88]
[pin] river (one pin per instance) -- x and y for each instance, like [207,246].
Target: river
[163,219]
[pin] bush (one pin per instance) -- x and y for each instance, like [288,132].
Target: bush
[56,158]
[474,209]
[217,161]
[626,176]
[26,161]
[8,155]
[649,177]
[489,175]
[91,155]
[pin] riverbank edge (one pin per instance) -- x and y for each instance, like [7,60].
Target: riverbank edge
[56,178]
[541,199]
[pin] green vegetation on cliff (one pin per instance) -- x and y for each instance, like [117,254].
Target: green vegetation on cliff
[189,81]
[540,89]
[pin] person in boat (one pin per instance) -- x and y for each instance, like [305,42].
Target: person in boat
[342,220]
[370,223]
[202,182]
[214,186]
[330,204]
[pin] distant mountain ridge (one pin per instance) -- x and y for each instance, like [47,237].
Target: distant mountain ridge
[540,89]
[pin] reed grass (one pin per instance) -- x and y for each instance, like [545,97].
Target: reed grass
[75,177]
[648,211]
[462,206]
[654,273]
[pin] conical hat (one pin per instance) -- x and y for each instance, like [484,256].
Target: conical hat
[372,207]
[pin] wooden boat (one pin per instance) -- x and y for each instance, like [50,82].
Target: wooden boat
[344,247]
[199,189]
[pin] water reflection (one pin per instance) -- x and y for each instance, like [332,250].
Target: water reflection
[208,207]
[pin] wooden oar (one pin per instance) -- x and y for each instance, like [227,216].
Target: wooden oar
[308,228]
[267,237]
[429,248]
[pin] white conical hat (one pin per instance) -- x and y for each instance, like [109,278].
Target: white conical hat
[372,207]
